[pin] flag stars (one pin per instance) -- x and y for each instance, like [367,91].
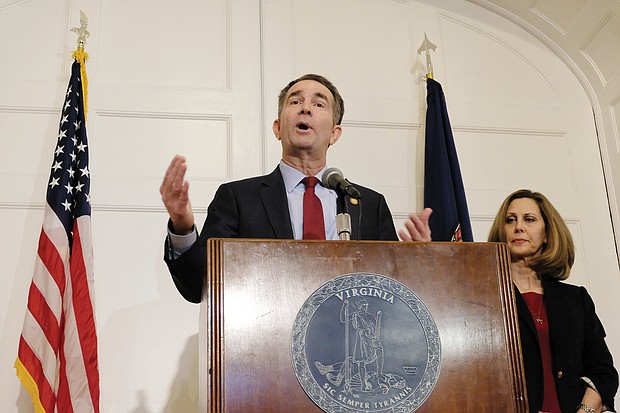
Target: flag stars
[69,182]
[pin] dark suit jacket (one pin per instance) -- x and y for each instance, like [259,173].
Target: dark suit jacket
[578,347]
[258,208]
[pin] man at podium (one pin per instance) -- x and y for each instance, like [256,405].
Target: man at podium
[289,203]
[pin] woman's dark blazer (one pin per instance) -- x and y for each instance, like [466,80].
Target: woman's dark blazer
[258,208]
[578,347]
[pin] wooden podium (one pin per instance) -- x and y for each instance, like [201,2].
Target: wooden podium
[254,290]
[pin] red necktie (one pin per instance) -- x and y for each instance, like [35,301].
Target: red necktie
[314,226]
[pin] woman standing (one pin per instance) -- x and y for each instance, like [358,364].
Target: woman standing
[568,367]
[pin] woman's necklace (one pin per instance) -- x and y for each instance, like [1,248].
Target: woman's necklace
[537,318]
[525,282]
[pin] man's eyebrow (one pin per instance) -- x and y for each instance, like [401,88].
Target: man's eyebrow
[295,93]
[321,95]
[317,94]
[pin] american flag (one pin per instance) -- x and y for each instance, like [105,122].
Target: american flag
[57,355]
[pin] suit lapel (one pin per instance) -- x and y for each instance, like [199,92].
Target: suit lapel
[273,198]
[556,314]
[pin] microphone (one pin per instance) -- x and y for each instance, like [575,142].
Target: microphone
[333,179]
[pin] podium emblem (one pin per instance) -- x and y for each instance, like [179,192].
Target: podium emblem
[365,343]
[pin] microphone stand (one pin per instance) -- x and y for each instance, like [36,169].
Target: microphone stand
[343,219]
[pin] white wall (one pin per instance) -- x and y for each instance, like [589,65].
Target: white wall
[202,80]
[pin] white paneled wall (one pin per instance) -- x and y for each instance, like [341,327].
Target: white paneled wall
[202,79]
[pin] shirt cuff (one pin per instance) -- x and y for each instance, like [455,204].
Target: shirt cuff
[181,243]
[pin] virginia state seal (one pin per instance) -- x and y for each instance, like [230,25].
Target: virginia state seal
[365,343]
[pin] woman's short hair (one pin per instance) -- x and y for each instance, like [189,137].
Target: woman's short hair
[558,253]
[338,101]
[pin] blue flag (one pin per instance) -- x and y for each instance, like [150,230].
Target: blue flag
[443,185]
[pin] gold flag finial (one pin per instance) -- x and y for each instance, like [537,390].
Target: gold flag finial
[81,31]
[427,47]
[81,56]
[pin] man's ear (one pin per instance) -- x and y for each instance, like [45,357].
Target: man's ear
[336,133]
[276,128]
